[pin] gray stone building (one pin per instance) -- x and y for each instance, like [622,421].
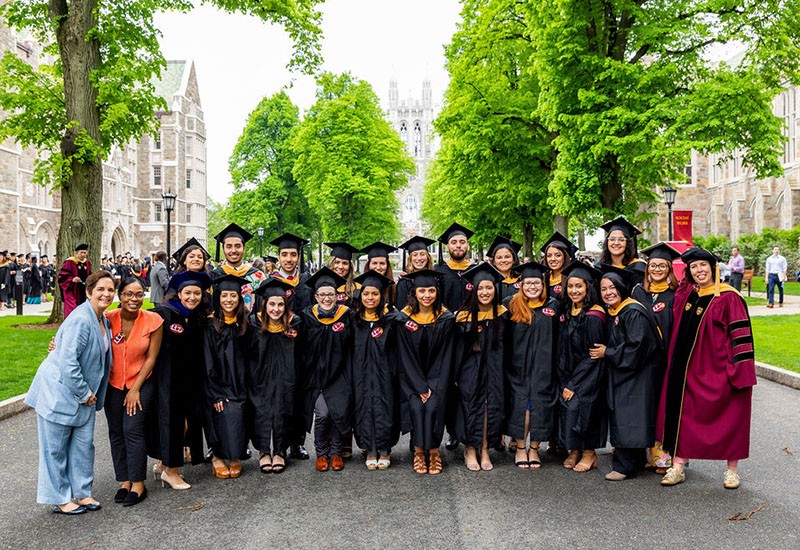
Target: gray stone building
[412,118]
[134,176]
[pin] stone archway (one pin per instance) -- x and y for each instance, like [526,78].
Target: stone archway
[119,243]
[45,239]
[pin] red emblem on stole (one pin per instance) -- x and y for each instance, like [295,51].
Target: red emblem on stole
[341,297]
[377,332]
[516,285]
[616,321]
[557,289]
[469,287]
[562,318]
[659,306]
[337,327]
[176,328]
[550,312]
[480,329]
[291,333]
[289,293]
[412,326]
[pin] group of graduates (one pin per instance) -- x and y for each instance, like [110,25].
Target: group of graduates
[560,351]
[38,278]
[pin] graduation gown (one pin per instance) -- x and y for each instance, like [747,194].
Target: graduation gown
[659,305]
[345,299]
[581,425]
[179,375]
[455,289]
[705,406]
[5,282]
[508,287]
[425,359]
[375,388]
[404,286]
[634,356]
[326,344]
[554,285]
[253,276]
[480,378]
[35,289]
[271,385]
[531,377]
[225,352]
[73,294]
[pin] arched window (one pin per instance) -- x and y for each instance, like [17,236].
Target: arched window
[417,140]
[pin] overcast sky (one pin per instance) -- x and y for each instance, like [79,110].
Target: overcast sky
[240,60]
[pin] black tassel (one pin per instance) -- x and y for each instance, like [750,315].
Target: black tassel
[403,267]
[302,262]
[217,254]
[441,255]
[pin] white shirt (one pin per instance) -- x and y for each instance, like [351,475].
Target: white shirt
[776,264]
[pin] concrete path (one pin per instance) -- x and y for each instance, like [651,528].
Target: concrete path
[504,508]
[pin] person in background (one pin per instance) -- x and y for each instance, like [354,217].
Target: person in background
[68,389]
[72,278]
[736,264]
[415,258]
[5,279]
[159,278]
[776,268]
[36,284]
[232,240]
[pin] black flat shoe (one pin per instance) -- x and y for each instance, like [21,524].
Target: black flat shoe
[93,507]
[120,495]
[299,452]
[135,498]
[77,511]
[451,444]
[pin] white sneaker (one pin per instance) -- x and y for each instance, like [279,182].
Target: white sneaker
[673,476]
[731,479]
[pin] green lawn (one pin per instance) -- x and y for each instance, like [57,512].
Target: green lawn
[753,301]
[775,340]
[789,287]
[22,350]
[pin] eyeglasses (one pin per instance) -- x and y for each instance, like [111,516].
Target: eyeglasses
[326,295]
[532,283]
[617,239]
[137,295]
[658,267]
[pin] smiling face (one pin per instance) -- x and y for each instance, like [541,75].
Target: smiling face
[554,257]
[102,294]
[419,259]
[701,273]
[485,293]
[503,260]
[658,270]
[457,247]
[195,260]
[82,255]
[276,306]
[233,248]
[288,259]
[326,298]
[576,290]
[131,298]
[617,243]
[609,293]
[190,296]
[426,296]
[341,267]
[228,302]
[532,288]
[370,297]
[379,264]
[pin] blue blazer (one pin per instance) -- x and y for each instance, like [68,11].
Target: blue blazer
[77,367]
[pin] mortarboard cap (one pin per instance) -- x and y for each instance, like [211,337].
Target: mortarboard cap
[484,271]
[581,271]
[617,275]
[272,259]
[273,286]
[622,224]
[374,279]
[343,251]
[661,251]
[424,278]
[325,277]
[416,243]
[557,239]
[231,231]
[530,270]
[82,246]
[378,250]
[229,282]
[503,242]
[191,242]
[190,278]
[453,230]
[696,254]
[287,240]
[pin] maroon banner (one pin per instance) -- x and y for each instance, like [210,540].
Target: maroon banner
[682,226]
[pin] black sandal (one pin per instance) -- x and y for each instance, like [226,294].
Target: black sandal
[534,464]
[265,468]
[278,468]
[522,464]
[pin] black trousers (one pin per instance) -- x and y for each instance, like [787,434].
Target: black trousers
[126,433]
[328,440]
[629,461]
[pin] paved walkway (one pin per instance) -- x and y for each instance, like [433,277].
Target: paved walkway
[505,508]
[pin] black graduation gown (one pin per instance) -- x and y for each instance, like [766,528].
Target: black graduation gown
[480,379]
[637,268]
[425,359]
[180,376]
[5,282]
[271,385]
[373,371]
[35,288]
[404,286]
[508,288]
[659,305]
[581,424]
[531,376]
[455,289]
[634,358]
[554,288]
[226,370]
[326,344]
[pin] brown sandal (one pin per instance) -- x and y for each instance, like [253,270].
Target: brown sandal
[572,460]
[436,462]
[419,463]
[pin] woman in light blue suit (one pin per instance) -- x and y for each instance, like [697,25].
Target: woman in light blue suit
[67,391]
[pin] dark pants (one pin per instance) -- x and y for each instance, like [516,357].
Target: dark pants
[774,280]
[425,431]
[629,461]
[327,437]
[736,281]
[126,433]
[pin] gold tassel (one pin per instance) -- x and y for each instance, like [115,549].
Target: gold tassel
[716,281]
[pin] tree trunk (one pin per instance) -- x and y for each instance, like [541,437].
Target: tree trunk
[527,240]
[561,224]
[612,186]
[82,192]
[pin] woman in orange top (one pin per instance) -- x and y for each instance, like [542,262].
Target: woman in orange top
[136,340]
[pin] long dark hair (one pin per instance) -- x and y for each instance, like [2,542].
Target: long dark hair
[360,309]
[219,317]
[472,306]
[592,298]
[630,251]
[413,303]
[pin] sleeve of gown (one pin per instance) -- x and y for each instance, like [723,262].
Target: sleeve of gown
[636,344]
[409,367]
[65,275]
[741,369]
[588,370]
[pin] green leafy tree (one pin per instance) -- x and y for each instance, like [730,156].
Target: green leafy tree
[493,169]
[99,92]
[266,193]
[628,91]
[350,163]
[216,219]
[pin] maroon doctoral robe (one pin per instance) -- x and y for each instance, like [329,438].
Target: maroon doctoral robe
[705,405]
[73,294]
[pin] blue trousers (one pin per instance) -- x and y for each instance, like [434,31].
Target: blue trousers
[66,461]
[774,280]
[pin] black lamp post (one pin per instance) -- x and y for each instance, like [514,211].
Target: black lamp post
[260,231]
[669,200]
[169,205]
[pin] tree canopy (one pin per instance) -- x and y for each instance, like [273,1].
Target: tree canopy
[350,162]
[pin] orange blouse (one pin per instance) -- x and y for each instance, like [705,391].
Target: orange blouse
[130,354]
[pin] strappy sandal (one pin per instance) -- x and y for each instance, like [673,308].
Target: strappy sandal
[572,460]
[471,465]
[436,463]
[586,465]
[535,463]
[384,463]
[265,467]
[371,463]
[419,463]
[521,464]
[278,467]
